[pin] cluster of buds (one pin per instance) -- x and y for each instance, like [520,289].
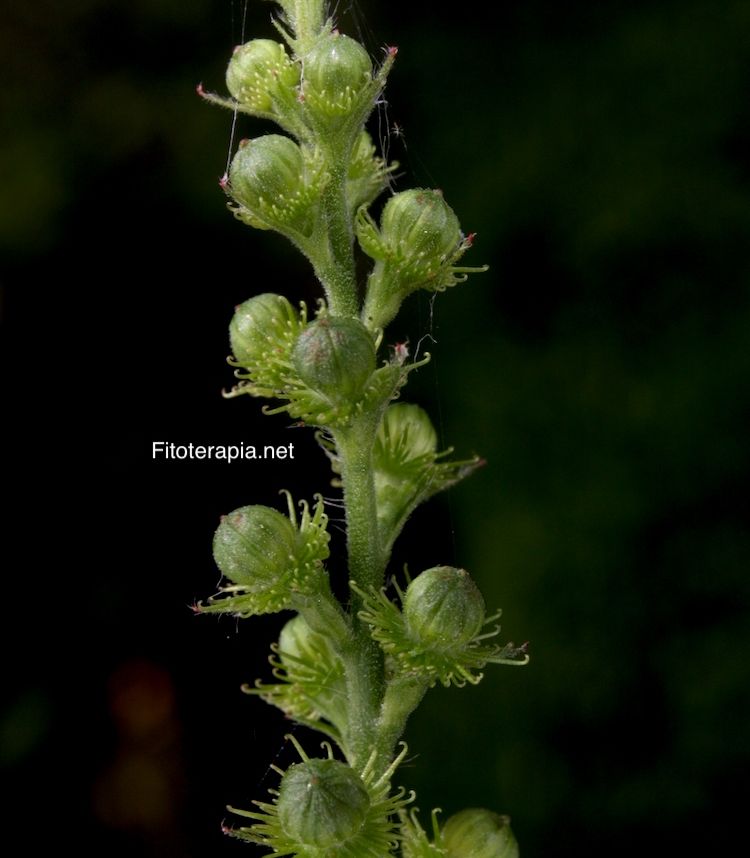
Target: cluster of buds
[325,371]
[321,94]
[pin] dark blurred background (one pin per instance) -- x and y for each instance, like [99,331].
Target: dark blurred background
[601,152]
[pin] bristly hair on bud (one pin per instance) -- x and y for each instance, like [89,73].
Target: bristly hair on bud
[415,841]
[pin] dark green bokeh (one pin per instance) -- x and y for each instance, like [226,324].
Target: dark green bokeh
[600,151]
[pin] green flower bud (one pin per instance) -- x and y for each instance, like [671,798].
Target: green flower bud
[335,356]
[416,247]
[258,325]
[254,546]
[421,229]
[269,558]
[336,71]
[443,608]
[268,180]
[322,803]
[478,833]
[259,71]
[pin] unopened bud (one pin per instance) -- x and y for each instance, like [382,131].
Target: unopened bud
[259,71]
[336,357]
[479,833]
[255,546]
[336,70]
[421,230]
[259,326]
[443,608]
[267,179]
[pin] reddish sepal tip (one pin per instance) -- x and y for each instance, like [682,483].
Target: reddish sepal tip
[224,182]
[392,50]
[470,238]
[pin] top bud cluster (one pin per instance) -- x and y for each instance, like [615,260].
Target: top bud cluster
[314,185]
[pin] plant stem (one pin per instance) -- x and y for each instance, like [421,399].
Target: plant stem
[354,446]
[366,560]
[337,271]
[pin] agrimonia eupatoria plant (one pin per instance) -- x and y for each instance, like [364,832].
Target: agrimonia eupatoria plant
[352,672]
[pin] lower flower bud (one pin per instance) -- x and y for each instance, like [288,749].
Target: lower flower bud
[322,803]
[479,833]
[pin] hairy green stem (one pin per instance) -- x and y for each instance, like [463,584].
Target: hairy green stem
[366,560]
[337,272]
[354,446]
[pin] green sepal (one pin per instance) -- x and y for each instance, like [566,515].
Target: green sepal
[266,579]
[377,835]
[311,687]
[455,665]
[407,467]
